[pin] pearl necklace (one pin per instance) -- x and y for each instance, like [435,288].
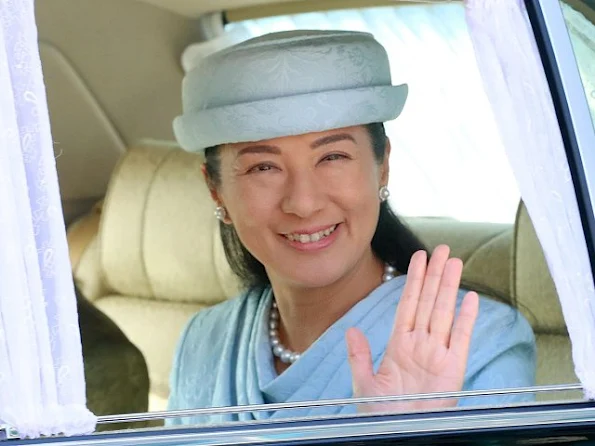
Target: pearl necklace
[287,356]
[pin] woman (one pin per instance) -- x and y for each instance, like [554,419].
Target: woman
[341,299]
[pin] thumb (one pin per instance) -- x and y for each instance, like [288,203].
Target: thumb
[360,360]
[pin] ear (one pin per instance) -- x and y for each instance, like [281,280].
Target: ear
[385,166]
[214,193]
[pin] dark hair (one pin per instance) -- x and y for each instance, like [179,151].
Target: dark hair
[393,242]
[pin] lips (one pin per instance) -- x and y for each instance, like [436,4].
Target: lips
[312,237]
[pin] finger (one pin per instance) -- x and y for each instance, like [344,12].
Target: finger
[430,287]
[460,338]
[443,313]
[405,317]
[360,360]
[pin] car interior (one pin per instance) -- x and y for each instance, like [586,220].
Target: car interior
[144,245]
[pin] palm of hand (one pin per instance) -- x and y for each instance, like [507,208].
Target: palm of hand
[419,365]
[426,352]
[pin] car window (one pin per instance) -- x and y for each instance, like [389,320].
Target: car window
[449,178]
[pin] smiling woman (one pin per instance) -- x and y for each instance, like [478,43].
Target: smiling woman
[328,181]
[341,299]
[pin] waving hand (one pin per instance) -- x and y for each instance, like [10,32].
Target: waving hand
[427,351]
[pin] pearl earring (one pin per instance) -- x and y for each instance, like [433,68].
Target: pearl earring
[220,213]
[383,193]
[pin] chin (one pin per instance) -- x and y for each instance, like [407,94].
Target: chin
[313,277]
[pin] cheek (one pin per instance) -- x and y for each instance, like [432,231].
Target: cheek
[252,209]
[249,205]
[358,191]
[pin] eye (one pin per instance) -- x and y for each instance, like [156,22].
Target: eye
[333,157]
[261,168]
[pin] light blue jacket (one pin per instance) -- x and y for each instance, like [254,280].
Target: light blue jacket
[224,357]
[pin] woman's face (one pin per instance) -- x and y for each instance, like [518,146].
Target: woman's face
[305,206]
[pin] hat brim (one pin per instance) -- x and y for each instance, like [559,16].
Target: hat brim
[289,116]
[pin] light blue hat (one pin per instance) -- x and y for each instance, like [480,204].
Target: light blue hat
[287,83]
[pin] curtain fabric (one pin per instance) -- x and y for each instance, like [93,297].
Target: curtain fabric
[42,387]
[514,79]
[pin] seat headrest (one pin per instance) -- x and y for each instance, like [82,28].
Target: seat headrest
[533,287]
[158,235]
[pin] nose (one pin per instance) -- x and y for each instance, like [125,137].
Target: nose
[304,195]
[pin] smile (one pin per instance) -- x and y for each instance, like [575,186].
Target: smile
[311,238]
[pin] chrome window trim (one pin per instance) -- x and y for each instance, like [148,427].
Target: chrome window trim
[150,416]
[347,429]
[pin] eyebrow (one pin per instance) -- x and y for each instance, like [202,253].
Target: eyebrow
[264,148]
[332,139]
[261,148]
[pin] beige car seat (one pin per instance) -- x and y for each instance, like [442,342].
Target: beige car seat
[156,258]
[535,294]
[507,262]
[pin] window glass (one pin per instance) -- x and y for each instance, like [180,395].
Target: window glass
[579,19]
[447,161]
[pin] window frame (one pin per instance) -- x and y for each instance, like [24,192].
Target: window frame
[572,109]
[531,424]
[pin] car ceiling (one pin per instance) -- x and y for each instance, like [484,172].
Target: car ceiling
[195,8]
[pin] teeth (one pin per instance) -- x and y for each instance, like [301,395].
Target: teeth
[310,238]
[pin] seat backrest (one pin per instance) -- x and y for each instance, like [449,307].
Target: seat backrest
[507,262]
[485,249]
[157,259]
[534,292]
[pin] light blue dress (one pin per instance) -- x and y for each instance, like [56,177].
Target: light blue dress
[224,357]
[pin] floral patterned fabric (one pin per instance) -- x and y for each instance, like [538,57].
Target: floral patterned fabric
[42,388]
[251,91]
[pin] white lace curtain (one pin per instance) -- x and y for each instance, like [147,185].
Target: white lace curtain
[509,63]
[42,388]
